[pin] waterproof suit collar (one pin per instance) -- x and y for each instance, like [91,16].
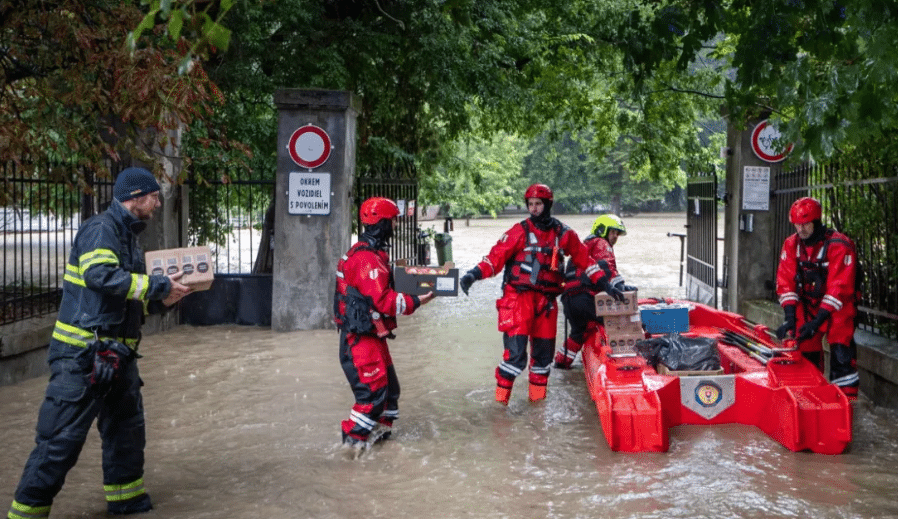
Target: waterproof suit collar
[817,235]
[122,214]
[544,220]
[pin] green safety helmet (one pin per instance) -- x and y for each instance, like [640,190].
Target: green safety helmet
[608,221]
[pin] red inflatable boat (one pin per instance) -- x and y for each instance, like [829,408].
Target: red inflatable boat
[760,383]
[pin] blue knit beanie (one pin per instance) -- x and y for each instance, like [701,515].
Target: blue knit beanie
[134,182]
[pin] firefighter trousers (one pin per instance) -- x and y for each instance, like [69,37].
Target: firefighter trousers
[69,408]
[368,367]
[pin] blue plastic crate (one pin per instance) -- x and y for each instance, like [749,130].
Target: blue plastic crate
[665,318]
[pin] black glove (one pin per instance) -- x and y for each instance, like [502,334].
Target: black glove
[109,359]
[788,323]
[469,278]
[809,328]
[625,288]
[614,292]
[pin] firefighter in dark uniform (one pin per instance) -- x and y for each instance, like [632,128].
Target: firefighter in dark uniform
[578,298]
[532,255]
[365,310]
[816,284]
[92,356]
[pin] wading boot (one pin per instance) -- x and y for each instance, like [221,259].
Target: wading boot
[536,393]
[503,395]
[136,505]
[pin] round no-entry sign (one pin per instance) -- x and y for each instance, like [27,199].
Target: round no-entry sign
[309,146]
[762,139]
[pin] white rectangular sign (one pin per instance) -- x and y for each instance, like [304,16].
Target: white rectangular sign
[756,188]
[309,193]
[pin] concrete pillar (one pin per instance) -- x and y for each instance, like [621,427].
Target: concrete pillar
[308,246]
[751,274]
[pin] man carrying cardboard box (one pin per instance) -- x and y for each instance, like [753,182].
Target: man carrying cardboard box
[93,357]
[579,294]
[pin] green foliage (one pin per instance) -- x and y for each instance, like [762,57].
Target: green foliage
[483,177]
[70,90]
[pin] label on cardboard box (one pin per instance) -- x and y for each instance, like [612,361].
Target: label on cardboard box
[195,262]
[607,305]
[419,280]
[622,324]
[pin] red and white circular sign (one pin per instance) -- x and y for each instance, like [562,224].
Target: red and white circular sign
[309,146]
[762,139]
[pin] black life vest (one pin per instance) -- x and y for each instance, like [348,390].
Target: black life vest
[536,266]
[811,275]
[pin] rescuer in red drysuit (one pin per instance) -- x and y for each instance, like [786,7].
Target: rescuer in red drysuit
[365,310]
[531,253]
[578,298]
[815,282]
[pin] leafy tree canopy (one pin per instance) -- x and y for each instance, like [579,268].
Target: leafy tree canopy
[72,90]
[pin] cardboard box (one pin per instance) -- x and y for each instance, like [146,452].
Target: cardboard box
[606,305]
[195,262]
[624,343]
[628,324]
[419,280]
[665,318]
[664,370]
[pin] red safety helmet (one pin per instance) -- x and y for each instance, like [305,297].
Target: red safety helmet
[538,191]
[805,210]
[376,209]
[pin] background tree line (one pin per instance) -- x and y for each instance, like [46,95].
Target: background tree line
[465,90]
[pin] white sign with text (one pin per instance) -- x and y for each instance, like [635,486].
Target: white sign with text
[309,193]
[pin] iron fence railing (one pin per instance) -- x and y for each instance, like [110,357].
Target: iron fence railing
[42,212]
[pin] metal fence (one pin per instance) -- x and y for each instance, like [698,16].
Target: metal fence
[398,183]
[38,222]
[235,218]
[860,200]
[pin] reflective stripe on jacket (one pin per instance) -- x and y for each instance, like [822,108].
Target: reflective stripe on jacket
[106,288]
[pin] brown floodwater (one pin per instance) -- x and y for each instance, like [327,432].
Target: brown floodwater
[243,423]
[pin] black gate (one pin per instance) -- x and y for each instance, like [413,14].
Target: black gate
[701,248]
[399,184]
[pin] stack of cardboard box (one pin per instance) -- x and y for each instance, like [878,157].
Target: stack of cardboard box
[623,325]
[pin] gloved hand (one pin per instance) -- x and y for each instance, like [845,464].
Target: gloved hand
[614,292]
[624,287]
[788,323]
[469,278]
[809,328]
[109,359]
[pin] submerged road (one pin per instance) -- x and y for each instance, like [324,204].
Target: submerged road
[243,422]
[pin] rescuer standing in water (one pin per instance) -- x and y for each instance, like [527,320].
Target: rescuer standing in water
[816,282]
[532,255]
[365,310]
[579,295]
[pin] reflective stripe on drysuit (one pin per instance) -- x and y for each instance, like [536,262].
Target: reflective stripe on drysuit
[527,310]
[579,299]
[365,357]
[822,276]
[105,291]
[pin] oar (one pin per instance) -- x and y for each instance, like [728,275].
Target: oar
[751,353]
[745,340]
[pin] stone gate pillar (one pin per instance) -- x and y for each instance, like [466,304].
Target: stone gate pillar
[749,226]
[313,204]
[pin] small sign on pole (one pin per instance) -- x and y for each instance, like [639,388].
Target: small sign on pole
[756,188]
[309,193]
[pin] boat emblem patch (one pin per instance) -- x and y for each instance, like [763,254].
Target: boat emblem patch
[707,396]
